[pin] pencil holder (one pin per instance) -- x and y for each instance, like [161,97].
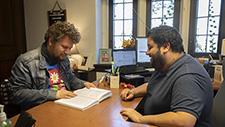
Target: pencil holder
[114,81]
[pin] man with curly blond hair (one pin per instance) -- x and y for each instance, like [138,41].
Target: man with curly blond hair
[44,73]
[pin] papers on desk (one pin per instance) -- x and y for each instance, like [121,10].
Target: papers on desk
[86,98]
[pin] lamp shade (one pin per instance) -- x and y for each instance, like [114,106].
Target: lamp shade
[74,49]
[76,59]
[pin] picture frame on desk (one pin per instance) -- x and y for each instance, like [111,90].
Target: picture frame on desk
[105,56]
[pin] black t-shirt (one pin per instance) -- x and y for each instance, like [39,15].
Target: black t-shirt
[185,87]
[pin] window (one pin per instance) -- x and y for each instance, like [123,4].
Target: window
[122,26]
[122,20]
[206,29]
[163,12]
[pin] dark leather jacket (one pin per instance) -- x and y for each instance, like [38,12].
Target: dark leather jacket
[29,79]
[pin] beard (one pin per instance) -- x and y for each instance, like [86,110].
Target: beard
[158,61]
[62,57]
[55,58]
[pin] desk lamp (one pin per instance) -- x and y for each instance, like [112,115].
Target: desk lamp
[76,59]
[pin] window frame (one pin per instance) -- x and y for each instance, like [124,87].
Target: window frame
[193,27]
[176,16]
[134,31]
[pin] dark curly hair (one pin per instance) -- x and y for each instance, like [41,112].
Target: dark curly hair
[59,29]
[166,34]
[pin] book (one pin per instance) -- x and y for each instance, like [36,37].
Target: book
[86,98]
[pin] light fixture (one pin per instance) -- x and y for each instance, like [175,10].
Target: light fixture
[74,50]
[75,58]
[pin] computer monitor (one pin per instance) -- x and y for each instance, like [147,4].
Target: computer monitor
[121,57]
[142,58]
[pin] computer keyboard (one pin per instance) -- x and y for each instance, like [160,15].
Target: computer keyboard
[132,70]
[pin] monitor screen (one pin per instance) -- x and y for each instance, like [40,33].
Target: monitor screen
[122,58]
[141,50]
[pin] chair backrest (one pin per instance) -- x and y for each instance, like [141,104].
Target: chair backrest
[218,114]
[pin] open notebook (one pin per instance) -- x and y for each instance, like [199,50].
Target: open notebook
[86,98]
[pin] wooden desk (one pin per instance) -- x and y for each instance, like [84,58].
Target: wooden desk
[105,114]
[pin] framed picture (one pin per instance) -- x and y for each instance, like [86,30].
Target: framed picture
[56,15]
[105,56]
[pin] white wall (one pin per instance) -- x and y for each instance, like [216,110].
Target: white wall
[184,22]
[105,23]
[141,18]
[82,13]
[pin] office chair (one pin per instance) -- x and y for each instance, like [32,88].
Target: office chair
[218,113]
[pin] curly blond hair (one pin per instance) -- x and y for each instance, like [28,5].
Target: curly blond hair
[60,29]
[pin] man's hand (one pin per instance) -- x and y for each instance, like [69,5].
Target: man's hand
[127,94]
[88,85]
[131,114]
[64,94]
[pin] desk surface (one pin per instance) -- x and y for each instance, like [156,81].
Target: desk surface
[105,114]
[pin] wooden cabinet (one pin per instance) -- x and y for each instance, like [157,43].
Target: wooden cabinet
[12,34]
